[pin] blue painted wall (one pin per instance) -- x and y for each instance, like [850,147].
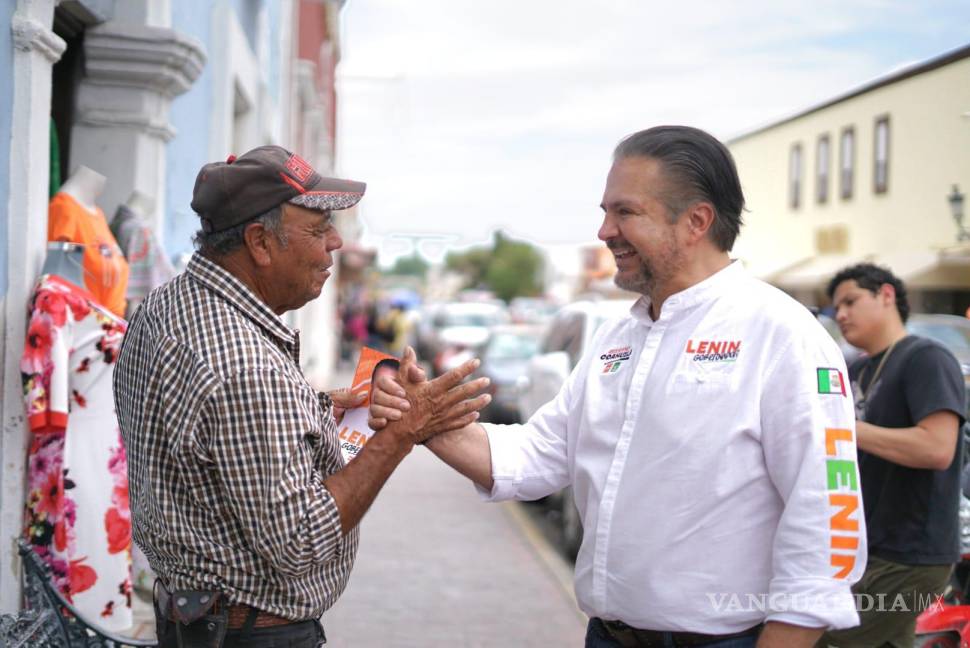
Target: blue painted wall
[247,11]
[190,115]
[6,117]
[191,112]
[274,19]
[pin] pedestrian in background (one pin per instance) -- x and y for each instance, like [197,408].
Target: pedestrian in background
[707,457]
[909,400]
[240,498]
[357,329]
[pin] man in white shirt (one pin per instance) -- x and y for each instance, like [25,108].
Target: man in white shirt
[715,469]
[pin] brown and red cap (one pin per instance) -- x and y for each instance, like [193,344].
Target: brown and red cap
[230,193]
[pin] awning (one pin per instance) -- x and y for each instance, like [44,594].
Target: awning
[945,269]
[811,273]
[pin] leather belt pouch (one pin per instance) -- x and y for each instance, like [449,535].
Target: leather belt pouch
[197,623]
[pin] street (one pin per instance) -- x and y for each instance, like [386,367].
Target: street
[437,567]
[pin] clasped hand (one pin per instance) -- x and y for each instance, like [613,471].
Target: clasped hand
[412,406]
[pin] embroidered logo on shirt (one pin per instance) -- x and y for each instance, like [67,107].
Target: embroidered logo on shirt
[714,350]
[614,358]
[830,381]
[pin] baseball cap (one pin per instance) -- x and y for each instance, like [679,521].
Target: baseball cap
[230,193]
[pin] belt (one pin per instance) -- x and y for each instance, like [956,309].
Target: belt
[237,614]
[631,637]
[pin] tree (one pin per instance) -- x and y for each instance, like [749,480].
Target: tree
[472,263]
[412,266]
[509,268]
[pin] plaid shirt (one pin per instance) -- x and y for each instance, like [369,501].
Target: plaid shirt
[228,446]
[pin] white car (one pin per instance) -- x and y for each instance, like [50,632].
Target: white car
[569,335]
[463,326]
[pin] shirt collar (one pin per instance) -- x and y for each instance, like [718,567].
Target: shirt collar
[689,297]
[223,283]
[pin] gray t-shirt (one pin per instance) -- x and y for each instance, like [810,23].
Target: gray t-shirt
[911,513]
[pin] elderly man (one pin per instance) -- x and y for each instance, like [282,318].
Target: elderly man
[239,496]
[714,469]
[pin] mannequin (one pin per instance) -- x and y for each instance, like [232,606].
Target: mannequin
[75,216]
[84,186]
[80,527]
[65,260]
[148,264]
[142,204]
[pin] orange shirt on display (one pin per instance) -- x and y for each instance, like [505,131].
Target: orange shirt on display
[105,268]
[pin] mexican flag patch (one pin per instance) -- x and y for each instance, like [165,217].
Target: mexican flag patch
[830,381]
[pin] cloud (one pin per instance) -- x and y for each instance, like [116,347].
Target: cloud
[467,116]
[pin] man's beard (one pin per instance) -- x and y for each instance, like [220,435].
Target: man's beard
[646,277]
[642,281]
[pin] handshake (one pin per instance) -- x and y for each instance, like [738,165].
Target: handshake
[415,409]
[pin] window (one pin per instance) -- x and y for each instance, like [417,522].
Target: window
[846,162]
[881,150]
[822,169]
[795,176]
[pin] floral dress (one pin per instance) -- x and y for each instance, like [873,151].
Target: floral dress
[77,516]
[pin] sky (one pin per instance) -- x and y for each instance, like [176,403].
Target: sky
[467,116]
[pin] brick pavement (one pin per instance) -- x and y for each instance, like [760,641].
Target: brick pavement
[438,568]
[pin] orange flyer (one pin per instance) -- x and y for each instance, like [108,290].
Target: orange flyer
[353,429]
[366,364]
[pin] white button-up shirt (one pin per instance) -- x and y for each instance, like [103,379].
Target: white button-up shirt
[712,458]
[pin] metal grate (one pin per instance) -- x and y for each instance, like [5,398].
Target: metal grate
[48,620]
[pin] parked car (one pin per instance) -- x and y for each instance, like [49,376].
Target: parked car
[504,361]
[462,327]
[569,334]
[951,331]
[531,310]
[849,352]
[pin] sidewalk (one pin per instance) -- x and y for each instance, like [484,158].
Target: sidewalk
[437,567]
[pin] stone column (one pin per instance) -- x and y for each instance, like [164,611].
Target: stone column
[36,49]
[132,73]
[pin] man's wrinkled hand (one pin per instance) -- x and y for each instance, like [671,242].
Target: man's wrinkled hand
[419,409]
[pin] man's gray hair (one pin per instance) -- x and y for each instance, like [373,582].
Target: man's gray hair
[219,244]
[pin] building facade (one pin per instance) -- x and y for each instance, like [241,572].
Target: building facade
[866,176]
[313,132]
[269,80]
[145,92]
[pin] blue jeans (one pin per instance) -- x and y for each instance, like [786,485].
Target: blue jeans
[597,636]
